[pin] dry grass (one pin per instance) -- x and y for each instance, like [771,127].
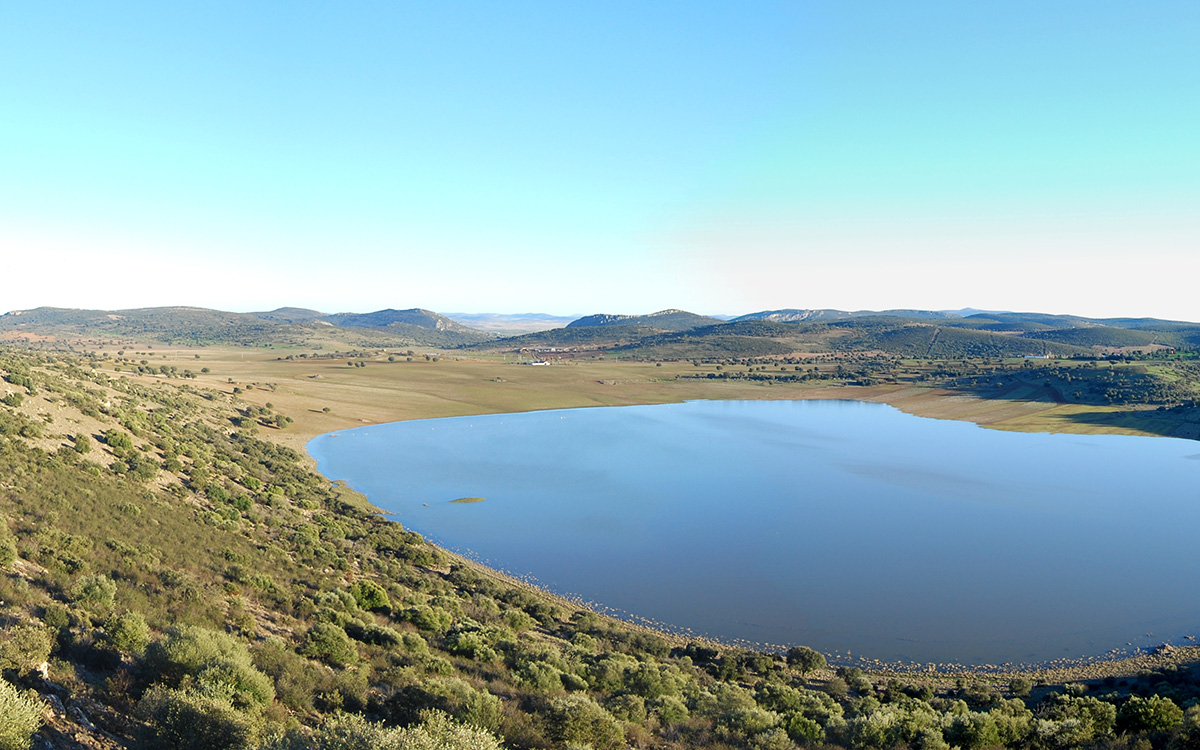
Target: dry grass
[385,391]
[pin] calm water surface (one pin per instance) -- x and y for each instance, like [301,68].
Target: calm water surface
[846,526]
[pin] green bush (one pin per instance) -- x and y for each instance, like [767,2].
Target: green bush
[369,595]
[450,695]
[352,732]
[804,659]
[330,643]
[96,594]
[128,633]
[213,664]
[1148,714]
[8,545]
[115,438]
[577,719]
[669,709]
[23,648]
[188,720]
[437,732]
[20,717]
[432,619]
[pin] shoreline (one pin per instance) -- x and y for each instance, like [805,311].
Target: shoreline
[1086,668]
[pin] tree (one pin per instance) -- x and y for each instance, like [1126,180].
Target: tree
[805,660]
[83,444]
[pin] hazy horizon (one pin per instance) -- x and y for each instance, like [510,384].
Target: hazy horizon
[964,311]
[562,157]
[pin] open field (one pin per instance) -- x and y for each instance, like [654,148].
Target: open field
[447,386]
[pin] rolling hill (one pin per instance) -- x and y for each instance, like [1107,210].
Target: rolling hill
[194,326]
[663,320]
[423,326]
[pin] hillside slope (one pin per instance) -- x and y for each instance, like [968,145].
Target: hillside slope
[170,576]
[664,320]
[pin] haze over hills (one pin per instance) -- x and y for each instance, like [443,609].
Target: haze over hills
[290,314]
[196,325]
[663,320]
[800,316]
[512,324]
[420,325]
[668,334]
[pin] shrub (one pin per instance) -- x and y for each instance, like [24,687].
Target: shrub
[8,545]
[96,594]
[188,720]
[669,709]
[433,619]
[1020,686]
[330,643]
[1148,714]
[450,695]
[24,648]
[804,659]
[437,731]
[115,438]
[20,717]
[215,664]
[128,633]
[352,732]
[369,595]
[577,719]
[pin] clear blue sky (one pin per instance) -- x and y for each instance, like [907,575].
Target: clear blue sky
[602,157]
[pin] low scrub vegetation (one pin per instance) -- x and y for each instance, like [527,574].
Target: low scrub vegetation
[187,583]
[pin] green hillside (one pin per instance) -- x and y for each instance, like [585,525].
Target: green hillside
[179,325]
[189,582]
[192,326]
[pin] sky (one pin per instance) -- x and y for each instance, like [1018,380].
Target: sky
[620,157]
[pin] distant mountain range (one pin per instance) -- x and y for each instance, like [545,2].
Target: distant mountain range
[200,325]
[801,316]
[664,320]
[511,324]
[668,334]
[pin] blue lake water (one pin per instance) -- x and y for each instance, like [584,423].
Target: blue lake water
[850,527]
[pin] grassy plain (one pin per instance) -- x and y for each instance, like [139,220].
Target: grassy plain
[449,385]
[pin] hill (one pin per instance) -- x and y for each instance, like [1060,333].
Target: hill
[172,575]
[664,320]
[589,337]
[289,315]
[424,326]
[197,326]
[178,325]
[803,316]
[514,324]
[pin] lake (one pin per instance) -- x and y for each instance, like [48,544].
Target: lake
[850,527]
